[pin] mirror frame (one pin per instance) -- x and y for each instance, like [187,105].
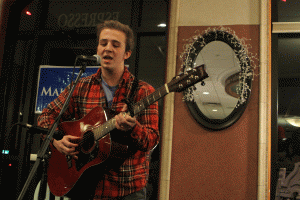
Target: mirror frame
[245,78]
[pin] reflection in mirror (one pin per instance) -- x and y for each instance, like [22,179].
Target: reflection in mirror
[224,97]
[219,96]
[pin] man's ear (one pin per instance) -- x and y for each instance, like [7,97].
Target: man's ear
[127,54]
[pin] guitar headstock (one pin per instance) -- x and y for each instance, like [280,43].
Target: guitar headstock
[187,79]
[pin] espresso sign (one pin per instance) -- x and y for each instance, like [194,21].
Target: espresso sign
[78,20]
[86,13]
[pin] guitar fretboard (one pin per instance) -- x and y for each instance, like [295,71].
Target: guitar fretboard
[108,126]
[178,84]
[150,99]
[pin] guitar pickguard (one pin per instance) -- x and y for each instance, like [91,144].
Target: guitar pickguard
[84,158]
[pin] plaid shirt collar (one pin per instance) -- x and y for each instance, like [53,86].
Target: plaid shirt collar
[125,82]
[126,77]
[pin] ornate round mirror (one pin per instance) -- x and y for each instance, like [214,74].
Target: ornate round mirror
[221,101]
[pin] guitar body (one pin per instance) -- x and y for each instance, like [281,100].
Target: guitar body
[64,173]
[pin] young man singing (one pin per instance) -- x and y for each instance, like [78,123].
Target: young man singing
[108,88]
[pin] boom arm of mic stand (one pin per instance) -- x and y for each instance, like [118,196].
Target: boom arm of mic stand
[41,153]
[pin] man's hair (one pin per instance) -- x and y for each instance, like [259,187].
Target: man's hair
[112,24]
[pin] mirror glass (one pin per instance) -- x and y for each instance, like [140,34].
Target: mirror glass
[219,96]
[221,100]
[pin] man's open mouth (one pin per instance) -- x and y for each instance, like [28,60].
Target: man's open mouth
[107,57]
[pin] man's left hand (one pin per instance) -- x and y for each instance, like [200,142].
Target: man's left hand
[125,122]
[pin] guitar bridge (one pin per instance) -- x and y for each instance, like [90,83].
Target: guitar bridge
[84,158]
[69,161]
[94,153]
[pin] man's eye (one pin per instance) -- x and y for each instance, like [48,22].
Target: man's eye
[116,44]
[103,43]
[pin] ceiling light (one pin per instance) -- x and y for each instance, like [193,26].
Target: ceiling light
[293,120]
[214,110]
[205,92]
[162,25]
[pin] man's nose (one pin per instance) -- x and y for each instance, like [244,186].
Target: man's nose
[109,47]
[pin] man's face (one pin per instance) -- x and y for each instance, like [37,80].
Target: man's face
[111,49]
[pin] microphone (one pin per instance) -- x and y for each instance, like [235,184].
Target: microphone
[96,58]
[58,135]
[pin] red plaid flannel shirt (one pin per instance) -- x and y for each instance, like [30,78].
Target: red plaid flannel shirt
[132,175]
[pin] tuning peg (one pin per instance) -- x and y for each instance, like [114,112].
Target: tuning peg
[202,83]
[175,77]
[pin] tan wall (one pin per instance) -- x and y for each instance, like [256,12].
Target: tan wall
[218,12]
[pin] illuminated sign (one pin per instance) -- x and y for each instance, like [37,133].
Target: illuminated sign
[53,80]
[86,14]
[85,19]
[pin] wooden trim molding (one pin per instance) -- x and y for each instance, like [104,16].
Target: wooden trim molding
[264,153]
[167,128]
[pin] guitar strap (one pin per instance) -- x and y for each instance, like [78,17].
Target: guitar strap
[120,149]
[130,98]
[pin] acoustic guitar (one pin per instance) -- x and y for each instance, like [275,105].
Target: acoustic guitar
[65,174]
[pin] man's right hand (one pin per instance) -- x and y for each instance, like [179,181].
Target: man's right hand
[67,146]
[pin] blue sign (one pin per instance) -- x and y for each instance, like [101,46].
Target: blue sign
[53,80]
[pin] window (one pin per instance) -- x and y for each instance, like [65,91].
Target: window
[285,87]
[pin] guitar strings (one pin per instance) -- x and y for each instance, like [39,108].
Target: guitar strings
[140,105]
[87,134]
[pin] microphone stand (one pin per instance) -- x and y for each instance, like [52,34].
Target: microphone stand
[42,153]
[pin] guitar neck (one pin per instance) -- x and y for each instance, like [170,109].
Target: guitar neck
[150,99]
[108,126]
[177,84]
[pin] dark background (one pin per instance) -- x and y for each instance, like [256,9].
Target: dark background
[38,39]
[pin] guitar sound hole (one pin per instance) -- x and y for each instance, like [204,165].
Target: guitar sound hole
[87,142]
